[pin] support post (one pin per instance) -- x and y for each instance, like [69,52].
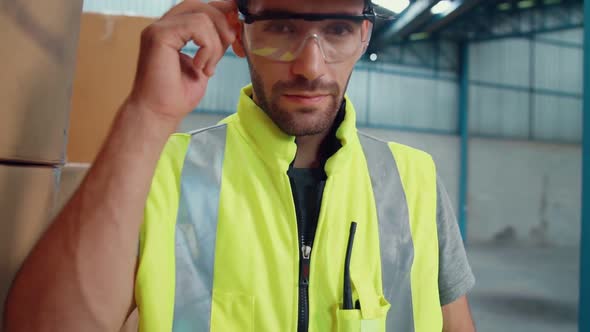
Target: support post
[584,305]
[464,136]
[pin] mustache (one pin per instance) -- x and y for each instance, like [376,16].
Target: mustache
[302,84]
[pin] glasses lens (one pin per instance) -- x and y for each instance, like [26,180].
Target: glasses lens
[283,39]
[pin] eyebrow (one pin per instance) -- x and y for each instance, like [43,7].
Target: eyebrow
[278,12]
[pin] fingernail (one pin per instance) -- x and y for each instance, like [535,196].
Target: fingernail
[210,71]
[196,63]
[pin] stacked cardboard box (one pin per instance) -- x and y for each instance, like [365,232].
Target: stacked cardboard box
[106,65]
[39,86]
[27,198]
[37,61]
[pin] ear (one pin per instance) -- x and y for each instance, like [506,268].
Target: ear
[368,27]
[238,44]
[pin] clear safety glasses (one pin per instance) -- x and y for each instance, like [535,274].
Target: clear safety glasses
[281,36]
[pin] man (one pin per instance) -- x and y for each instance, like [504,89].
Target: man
[282,218]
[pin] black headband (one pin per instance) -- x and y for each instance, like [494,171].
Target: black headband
[243,5]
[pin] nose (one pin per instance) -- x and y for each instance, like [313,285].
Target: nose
[310,62]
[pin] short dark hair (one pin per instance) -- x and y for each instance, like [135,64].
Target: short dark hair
[243,5]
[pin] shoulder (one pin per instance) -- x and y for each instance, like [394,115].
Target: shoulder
[174,153]
[403,154]
[178,143]
[211,131]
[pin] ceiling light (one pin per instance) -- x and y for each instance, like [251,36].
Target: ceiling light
[526,4]
[442,7]
[419,36]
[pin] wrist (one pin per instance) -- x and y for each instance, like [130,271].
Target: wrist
[157,123]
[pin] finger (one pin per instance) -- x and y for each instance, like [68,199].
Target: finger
[203,57]
[231,16]
[220,42]
[204,52]
[227,32]
[201,29]
[213,46]
[198,27]
[191,6]
[217,49]
[186,65]
[225,18]
[176,33]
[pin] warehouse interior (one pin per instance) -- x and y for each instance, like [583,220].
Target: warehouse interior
[493,90]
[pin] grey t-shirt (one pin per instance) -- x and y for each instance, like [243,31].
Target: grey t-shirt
[455,277]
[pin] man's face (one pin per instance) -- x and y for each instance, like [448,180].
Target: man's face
[302,97]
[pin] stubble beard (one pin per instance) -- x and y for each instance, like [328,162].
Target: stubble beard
[289,121]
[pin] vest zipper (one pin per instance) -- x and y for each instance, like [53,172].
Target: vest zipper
[303,287]
[304,267]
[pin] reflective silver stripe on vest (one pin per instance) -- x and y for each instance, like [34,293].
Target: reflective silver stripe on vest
[196,229]
[395,237]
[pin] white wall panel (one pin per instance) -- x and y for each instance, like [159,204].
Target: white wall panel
[499,112]
[446,108]
[558,118]
[358,93]
[408,71]
[501,108]
[386,100]
[500,61]
[558,68]
[413,102]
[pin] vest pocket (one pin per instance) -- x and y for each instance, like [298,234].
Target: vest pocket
[353,320]
[232,312]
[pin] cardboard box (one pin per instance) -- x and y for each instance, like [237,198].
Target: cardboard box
[37,59]
[27,198]
[107,61]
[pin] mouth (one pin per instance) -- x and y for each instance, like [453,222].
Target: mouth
[306,98]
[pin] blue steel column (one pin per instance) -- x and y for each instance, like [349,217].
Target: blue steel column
[584,307]
[464,132]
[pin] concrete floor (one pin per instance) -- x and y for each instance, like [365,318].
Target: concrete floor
[524,288]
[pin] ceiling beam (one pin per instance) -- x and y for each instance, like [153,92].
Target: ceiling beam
[461,7]
[413,18]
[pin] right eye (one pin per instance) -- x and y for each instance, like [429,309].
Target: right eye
[279,27]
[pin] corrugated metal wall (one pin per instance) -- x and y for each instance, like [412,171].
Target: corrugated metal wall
[528,88]
[425,53]
[389,96]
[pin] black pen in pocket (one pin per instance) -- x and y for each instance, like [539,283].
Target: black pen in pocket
[347,293]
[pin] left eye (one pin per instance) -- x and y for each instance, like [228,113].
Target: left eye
[340,29]
[279,27]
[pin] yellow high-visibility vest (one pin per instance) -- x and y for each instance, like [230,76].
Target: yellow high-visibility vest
[219,247]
